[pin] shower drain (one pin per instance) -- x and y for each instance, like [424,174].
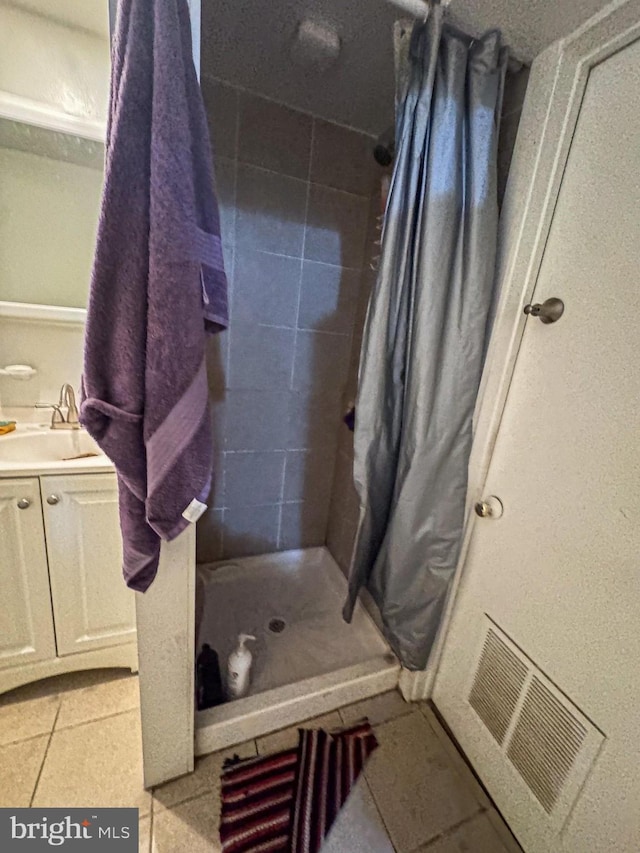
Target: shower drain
[277,626]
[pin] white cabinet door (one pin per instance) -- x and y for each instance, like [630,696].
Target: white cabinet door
[92,606]
[26,622]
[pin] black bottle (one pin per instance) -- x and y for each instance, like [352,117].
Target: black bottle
[209,690]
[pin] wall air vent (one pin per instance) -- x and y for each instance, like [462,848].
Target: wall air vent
[546,740]
[497,685]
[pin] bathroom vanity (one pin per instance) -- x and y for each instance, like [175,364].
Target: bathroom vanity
[65,606]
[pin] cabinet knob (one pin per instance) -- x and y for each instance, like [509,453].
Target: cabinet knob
[52,500]
[23,503]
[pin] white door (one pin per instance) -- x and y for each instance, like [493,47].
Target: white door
[26,622]
[92,606]
[540,676]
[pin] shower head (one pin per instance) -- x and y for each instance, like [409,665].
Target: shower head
[385,147]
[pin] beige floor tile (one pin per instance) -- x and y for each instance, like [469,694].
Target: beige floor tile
[475,836]
[378,709]
[455,757]
[288,738]
[418,791]
[188,828]
[144,835]
[204,779]
[358,827]
[463,769]
[25,718]
[99,700]
[19,767]
[502,831]
[95,764]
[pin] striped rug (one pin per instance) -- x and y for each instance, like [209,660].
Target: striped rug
[286,803]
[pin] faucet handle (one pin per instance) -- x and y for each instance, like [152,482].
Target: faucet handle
[57,417]
[68,402]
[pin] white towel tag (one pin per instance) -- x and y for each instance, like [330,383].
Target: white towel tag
[194,510]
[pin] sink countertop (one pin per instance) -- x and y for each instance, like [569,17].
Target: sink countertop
[33,449]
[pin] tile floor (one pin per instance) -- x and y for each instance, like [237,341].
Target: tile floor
[75,741]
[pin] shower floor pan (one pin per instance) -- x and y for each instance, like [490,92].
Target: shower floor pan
[306,659]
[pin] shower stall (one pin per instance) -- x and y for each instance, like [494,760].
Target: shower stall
[301,198]
[300,201]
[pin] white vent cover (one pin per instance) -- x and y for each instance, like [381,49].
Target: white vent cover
[497,685]
[546,740]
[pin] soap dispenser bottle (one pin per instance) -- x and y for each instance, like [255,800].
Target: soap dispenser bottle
[239,668]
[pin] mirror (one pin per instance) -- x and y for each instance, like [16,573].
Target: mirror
[53,104]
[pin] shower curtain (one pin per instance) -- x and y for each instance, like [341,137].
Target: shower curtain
[426,332]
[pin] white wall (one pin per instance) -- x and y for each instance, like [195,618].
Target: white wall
[48,217]
[53,348]
[67,69]
[56,65]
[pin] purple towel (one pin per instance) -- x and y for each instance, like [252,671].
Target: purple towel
[158,284]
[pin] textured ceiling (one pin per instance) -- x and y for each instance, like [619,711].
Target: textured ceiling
[528,26]
[247,42]
[91,15]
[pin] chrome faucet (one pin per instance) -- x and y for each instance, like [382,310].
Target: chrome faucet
[67,401]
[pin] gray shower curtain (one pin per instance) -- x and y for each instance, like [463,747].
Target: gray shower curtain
[426,332]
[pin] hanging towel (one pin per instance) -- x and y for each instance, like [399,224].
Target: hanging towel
[158,285]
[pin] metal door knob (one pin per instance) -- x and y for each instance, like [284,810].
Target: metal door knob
[24,503]
[52,500]
[490,507]
[549,311]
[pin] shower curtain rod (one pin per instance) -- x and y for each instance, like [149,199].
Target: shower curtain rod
[420,8]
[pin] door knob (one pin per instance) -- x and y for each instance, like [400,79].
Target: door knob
[549,311]
[52,500]
[24,503]
[490,507]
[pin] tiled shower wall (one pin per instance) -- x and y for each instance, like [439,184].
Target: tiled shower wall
[343,514]
[294,193]
[299,199]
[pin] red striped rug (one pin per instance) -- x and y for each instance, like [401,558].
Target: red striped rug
[286,803]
